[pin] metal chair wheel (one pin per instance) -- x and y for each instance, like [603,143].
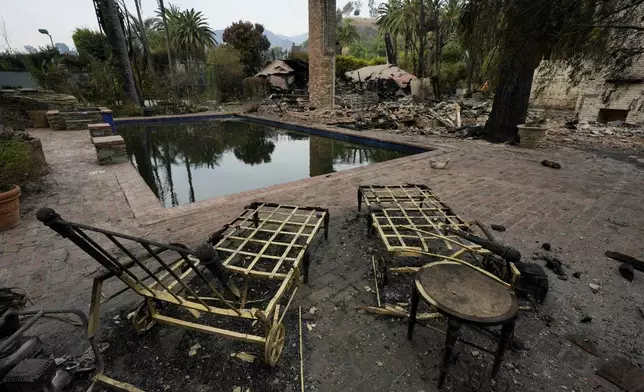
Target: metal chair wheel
[142,320]
[274,344]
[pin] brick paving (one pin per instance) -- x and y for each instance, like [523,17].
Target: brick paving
[593,204]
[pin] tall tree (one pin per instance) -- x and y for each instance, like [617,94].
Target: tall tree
[348,8]
[91,44]
[144,37]
[346,33]
[373,10]
[251,43]
[166,31]
[605,34]
[116,39]
[191,35]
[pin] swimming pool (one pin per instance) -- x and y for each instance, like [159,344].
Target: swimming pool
[185,162]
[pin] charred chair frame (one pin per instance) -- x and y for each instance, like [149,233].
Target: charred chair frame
[161,273]
[409,218]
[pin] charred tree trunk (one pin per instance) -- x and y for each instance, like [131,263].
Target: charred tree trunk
[166,32]
[116,38]
[519,59]
[144,38]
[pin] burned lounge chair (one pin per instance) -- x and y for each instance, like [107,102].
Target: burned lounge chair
[267,245]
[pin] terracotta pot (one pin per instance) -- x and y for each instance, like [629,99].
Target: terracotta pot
[10,208]
[38,118]
[530,137]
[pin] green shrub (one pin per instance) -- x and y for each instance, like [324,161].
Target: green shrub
[345,64]
[128,109]
[16,161]
[378,61]
[452,52]
[452,76]
[225,72]
[302,56]
[255,87]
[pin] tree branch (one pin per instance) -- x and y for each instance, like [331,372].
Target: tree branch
[633,5]
[616,26]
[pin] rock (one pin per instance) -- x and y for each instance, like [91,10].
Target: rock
[584,342]
[594,287]
[546,246]
[308,316]
[498,227]
[626,270]
[554,264]
[576,274]
[551,164]
[586,319]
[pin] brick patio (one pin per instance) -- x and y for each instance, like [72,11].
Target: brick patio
[592,205]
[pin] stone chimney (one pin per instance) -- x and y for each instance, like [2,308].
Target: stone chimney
[322,26]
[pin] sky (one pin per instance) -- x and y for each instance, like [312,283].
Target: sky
[23,18]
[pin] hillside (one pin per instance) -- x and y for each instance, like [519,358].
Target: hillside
[283,41]
[366,28]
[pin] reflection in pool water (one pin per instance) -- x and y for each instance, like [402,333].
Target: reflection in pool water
[184,163]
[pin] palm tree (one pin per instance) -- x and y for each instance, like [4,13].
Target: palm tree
[143,36]
[191,34]
[450,15]
[398,17]
[346,33]
[164,19]
[116,38]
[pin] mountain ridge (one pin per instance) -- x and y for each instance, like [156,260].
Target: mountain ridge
[283,41]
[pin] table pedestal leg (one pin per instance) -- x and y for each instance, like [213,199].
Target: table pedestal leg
[453,328]
[506,335]
[415,299]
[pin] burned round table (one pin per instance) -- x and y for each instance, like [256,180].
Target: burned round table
[464,295]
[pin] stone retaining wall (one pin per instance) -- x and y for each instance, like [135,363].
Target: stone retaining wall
[101,129]
[58,118]
[110,149]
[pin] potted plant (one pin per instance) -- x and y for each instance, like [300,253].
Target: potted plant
[16,166]
[532,132]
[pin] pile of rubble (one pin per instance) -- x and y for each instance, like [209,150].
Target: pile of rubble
[458,118]
[613,135]
[362,111]
[387,80]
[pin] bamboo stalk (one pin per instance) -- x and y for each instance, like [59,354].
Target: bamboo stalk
[375,278]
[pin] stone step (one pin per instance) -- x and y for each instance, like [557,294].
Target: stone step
[108,141]
[78,125]
[100,129]
[110,149]
[99,126]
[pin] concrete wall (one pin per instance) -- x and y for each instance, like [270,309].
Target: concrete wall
[322,53]
[592,95]
[613,96]
[554,91]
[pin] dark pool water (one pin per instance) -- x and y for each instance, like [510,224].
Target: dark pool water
[187,162]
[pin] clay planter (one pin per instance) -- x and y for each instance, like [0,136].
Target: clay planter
[10,208]
[531,136]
